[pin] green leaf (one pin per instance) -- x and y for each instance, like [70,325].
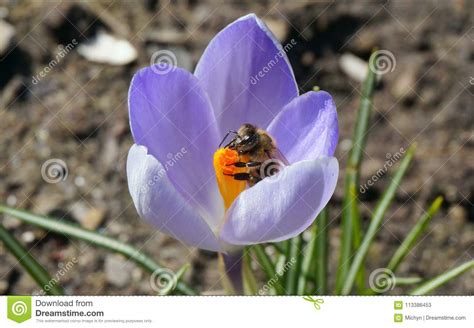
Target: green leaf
[269,268]
[248,278]
[414,234]
[36,271]
[442,279]
[94,238]
[376,221]
[322,244]
[351,181]
[315,257]
[293,272]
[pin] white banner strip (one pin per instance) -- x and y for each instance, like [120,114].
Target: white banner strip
[225,312]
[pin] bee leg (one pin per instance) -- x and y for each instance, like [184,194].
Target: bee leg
[244,177]
[246,164]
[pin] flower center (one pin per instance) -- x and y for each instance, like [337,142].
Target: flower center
[230,188]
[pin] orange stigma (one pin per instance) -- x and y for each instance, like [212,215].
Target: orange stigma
[228,186]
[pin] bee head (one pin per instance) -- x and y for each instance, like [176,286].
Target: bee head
[247,138]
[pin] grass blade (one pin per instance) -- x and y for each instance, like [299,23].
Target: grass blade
[414,234]
[376,221]
[442,279]
[94,238]
[293,272]
[269,268]
[36,271]
[322,242]
[281,247]
[357,237]
[351,180]
[398,281]
[308,265]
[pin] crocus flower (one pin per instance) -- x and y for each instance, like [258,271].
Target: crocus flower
[178,119]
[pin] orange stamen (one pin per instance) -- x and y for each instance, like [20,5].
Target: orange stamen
[228,186]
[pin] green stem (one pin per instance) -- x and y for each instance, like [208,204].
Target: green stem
[36,271]
[414,234]
[269,269]
[94,238]
[352,176]
[443,278]
[293,270]
[376,221]
[321,269]
[248,278]
[308,262]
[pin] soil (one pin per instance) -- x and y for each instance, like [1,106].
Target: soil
[78,113]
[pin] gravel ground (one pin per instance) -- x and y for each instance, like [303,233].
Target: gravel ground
[77,112]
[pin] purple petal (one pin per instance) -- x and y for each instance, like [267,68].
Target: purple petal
[229,69]
[157,201]
[171,115]
[282,206]
[307,128]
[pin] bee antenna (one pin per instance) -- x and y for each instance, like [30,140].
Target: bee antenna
[225,137]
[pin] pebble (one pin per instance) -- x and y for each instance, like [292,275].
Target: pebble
[458,214]
[403,87]
[118,271]
[28,237]
[3,286]
[279,27]
[10,222]
[167,36]
[105,48]
[7,33]
[353,66]
[89,217]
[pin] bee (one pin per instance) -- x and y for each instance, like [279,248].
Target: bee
[257,151]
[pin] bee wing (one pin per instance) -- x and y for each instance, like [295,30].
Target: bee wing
[277,154]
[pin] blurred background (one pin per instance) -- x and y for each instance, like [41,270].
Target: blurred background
[65,68]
